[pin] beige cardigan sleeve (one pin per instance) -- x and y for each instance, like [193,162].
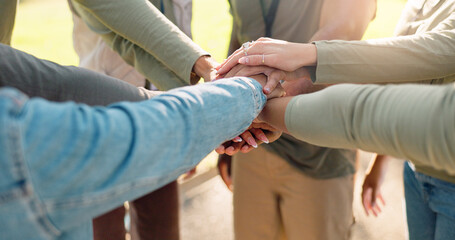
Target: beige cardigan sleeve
[415,122]
[430,55]
[144,37]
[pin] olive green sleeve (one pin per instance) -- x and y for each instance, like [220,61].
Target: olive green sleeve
[8,14]
[426,56]
[144,37]
[415,122]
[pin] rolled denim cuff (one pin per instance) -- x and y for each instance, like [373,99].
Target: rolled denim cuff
[259,97]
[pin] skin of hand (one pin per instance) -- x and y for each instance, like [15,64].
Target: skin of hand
[273,75]
[295,83]
[205,67]
[230,148]
[190,173]
[224,169]
[274,113]
[252,133]
[371,188]
[274,53]
[259,130]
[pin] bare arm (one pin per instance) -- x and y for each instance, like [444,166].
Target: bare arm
[344,19]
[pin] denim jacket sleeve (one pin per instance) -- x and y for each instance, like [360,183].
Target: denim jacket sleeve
[80,157]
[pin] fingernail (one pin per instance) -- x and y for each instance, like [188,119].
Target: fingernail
[252,142]
[264,138]
[237,139]
[243,60]
[267,90]
[244,148]
[230,149]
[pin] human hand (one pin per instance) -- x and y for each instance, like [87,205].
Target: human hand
[205,67]
[302,86]
[274,76]
[190,173]
[225,170]
[274,53]
[256,134]
[371,188]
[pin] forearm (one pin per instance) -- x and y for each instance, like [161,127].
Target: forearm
[343,20]
[346,20]
[409,121]
[8,13]
[379,164]
[41,78]
[425,56]
[140,23]
[142,145]
[146,64]
[274,113]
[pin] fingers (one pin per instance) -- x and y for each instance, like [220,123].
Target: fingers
[256,47]
[248,137]
[382,199]
[366,200]
[256,60]
[273,79]
[224,164]
[231,61]
[234,71]
[263,125]
[234,148]
[259,134]
[369,196]
[189,174]
[220,149]
[246,71]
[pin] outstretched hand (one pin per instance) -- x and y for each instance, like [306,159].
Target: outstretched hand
[274,53]
[256,134]
[274,76]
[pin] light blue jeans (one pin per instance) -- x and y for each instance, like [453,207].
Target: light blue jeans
[63,164]
[430,206]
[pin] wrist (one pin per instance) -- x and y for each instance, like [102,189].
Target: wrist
[307,54]
[203,67]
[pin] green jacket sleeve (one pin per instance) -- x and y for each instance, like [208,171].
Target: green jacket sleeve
[414,122]
[8,14]
[144,37]
[426,56]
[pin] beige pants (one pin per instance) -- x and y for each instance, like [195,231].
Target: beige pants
[271,197]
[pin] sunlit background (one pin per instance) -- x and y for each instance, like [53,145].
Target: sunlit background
[43,27]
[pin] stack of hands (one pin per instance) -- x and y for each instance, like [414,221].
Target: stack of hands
[279,68]
[283,69]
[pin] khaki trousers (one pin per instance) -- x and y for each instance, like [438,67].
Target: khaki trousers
[272,198]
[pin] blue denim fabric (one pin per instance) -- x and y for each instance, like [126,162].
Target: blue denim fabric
[430,206]
[63,164]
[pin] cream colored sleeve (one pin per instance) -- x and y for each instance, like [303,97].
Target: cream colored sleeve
[426,56]
[144,37]
[415,122]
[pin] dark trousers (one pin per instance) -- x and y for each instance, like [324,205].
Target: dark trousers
[153,216]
